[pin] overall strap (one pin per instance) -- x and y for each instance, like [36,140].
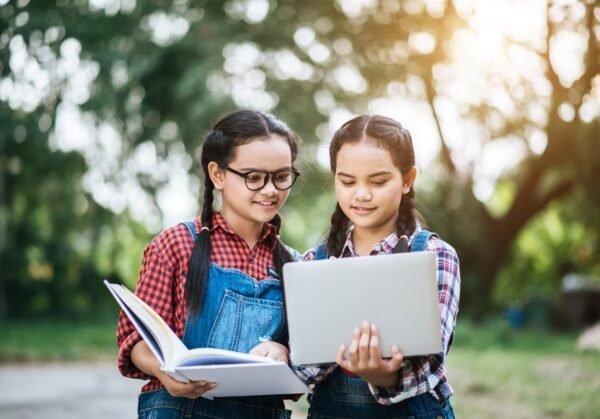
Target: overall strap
[419,243]
[192,228]
[321,251]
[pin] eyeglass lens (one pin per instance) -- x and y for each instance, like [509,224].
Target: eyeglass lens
[282,180]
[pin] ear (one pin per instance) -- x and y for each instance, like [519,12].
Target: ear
[217,175]
[409,180]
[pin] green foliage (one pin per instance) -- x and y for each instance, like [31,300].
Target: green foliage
[550,247]
[165,89]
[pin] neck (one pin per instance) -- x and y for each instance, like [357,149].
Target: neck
[364,239]
[248,230]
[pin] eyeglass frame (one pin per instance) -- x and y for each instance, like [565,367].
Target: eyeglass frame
[268,177]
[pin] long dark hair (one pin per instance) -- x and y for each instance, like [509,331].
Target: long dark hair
[389,135]
[235,129]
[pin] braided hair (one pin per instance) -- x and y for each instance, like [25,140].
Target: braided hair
[389,135]
[235,129]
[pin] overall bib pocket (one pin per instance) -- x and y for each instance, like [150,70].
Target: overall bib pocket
[243,322]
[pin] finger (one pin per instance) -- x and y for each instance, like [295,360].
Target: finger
[397,359]
[259,351]
[353,349]
[200,390]
[374,346]
[340,358]
[363,345]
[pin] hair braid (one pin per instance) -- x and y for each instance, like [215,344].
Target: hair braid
[337,233]
[197,274]
[281,256]
[405,223]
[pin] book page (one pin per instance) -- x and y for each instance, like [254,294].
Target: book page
[215,356]
[166,339]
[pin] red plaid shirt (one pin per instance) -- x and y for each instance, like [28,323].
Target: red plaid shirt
[161,281]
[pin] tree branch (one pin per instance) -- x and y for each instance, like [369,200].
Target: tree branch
[446,155]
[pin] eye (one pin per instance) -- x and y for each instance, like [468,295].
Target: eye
[254,177]
[282,176]
[347,182]
[379,182]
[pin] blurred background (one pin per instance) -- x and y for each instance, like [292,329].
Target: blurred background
[104,105]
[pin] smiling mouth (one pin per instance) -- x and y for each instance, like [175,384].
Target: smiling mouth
[362,209]
[266,203]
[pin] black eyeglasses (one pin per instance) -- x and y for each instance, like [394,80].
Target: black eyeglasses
[257,179]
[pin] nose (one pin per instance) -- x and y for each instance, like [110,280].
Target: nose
[363,194]
[269,188]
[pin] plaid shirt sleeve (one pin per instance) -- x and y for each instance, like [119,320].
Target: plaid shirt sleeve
[155,288]
[422,374]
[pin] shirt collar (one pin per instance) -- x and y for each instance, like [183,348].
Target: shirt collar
[384,246]
[270,233]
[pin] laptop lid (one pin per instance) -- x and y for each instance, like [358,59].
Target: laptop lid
[327,299]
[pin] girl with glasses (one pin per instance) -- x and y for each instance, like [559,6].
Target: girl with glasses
[216,280]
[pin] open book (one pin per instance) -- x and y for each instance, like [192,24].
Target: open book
[237,374]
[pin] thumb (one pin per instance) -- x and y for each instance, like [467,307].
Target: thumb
[397,359]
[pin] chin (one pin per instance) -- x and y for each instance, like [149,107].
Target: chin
[264,216]
[366,224]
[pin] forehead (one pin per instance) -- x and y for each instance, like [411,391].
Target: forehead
[272,152]
[363,157]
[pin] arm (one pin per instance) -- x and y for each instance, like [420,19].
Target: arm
[143,358]
[153,288]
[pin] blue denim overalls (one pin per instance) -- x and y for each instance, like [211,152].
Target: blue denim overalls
[342,396]
[238,312]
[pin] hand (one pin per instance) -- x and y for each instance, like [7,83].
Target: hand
[191,390]
[143,358]
[364,358]
[270,349]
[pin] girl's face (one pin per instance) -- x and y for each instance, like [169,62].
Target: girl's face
[240,204]
[369,187]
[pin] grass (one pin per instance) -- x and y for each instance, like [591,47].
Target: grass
[500,372]
[51,341]
[495,371]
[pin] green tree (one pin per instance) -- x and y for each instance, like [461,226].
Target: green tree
[156,74]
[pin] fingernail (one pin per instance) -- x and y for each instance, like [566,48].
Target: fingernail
[356,331]
[365,323]
[213,385]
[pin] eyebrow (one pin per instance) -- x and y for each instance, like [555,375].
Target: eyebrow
[371,175]
[256,169]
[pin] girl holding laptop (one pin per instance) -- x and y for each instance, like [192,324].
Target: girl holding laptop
[373,161]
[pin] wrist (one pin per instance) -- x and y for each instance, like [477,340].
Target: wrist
[384,380]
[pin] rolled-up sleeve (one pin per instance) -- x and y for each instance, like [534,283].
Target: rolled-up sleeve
[154,286]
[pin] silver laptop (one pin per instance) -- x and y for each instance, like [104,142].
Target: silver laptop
[327,299]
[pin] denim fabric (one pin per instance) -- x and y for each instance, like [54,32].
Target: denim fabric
[238,313]
[341,396]
[159,404]
[419,243]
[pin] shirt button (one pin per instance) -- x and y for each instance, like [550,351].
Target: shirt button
[251,260]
